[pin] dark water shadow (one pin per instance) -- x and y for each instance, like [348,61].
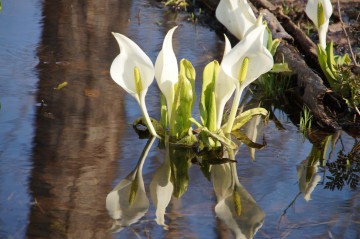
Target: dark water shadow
[78,127]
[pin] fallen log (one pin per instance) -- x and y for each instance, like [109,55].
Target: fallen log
[309,89]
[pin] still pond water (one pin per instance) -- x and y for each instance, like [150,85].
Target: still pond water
[62,151]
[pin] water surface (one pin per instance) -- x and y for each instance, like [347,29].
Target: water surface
[62,151]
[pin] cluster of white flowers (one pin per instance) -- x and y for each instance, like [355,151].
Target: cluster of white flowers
[133,70]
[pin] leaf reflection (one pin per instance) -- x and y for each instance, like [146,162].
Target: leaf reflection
[235,206]
[127,202]
[180,161]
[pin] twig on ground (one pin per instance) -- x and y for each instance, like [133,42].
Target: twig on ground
[346,35]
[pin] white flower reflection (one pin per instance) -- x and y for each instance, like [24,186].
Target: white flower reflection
[308,178]
[235,206]
[127,202]
[161,189]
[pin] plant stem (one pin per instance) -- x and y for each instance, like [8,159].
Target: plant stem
[147,118]
[234,109]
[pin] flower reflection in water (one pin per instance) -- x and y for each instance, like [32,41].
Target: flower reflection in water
[161,188]
[235,206]
[307,171]
[308,178]
[127,203]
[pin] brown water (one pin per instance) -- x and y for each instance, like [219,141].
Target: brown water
[62,151]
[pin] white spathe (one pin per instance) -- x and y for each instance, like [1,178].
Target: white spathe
[224,87]
[311,11]
[122,69]
[259,61]
[236,15]
[251,47]
[166,70]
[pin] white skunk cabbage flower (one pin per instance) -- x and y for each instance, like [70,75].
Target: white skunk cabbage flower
[166,70]
[224,88]
[236,15]
[319,12]
[248,60]
[133,70]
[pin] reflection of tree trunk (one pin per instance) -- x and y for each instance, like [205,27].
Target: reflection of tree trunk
[77,131]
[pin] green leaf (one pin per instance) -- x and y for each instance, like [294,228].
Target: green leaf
[274,45]
[271,44]
[218,135]
[188,141]
[280,67]
[182,107]
[245,116]
[342,60]
[270,39]
[245,140]
[346,59]
[330,57]
[188,71]
[208,141]
[207,100]
[322,58]
[184,99]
